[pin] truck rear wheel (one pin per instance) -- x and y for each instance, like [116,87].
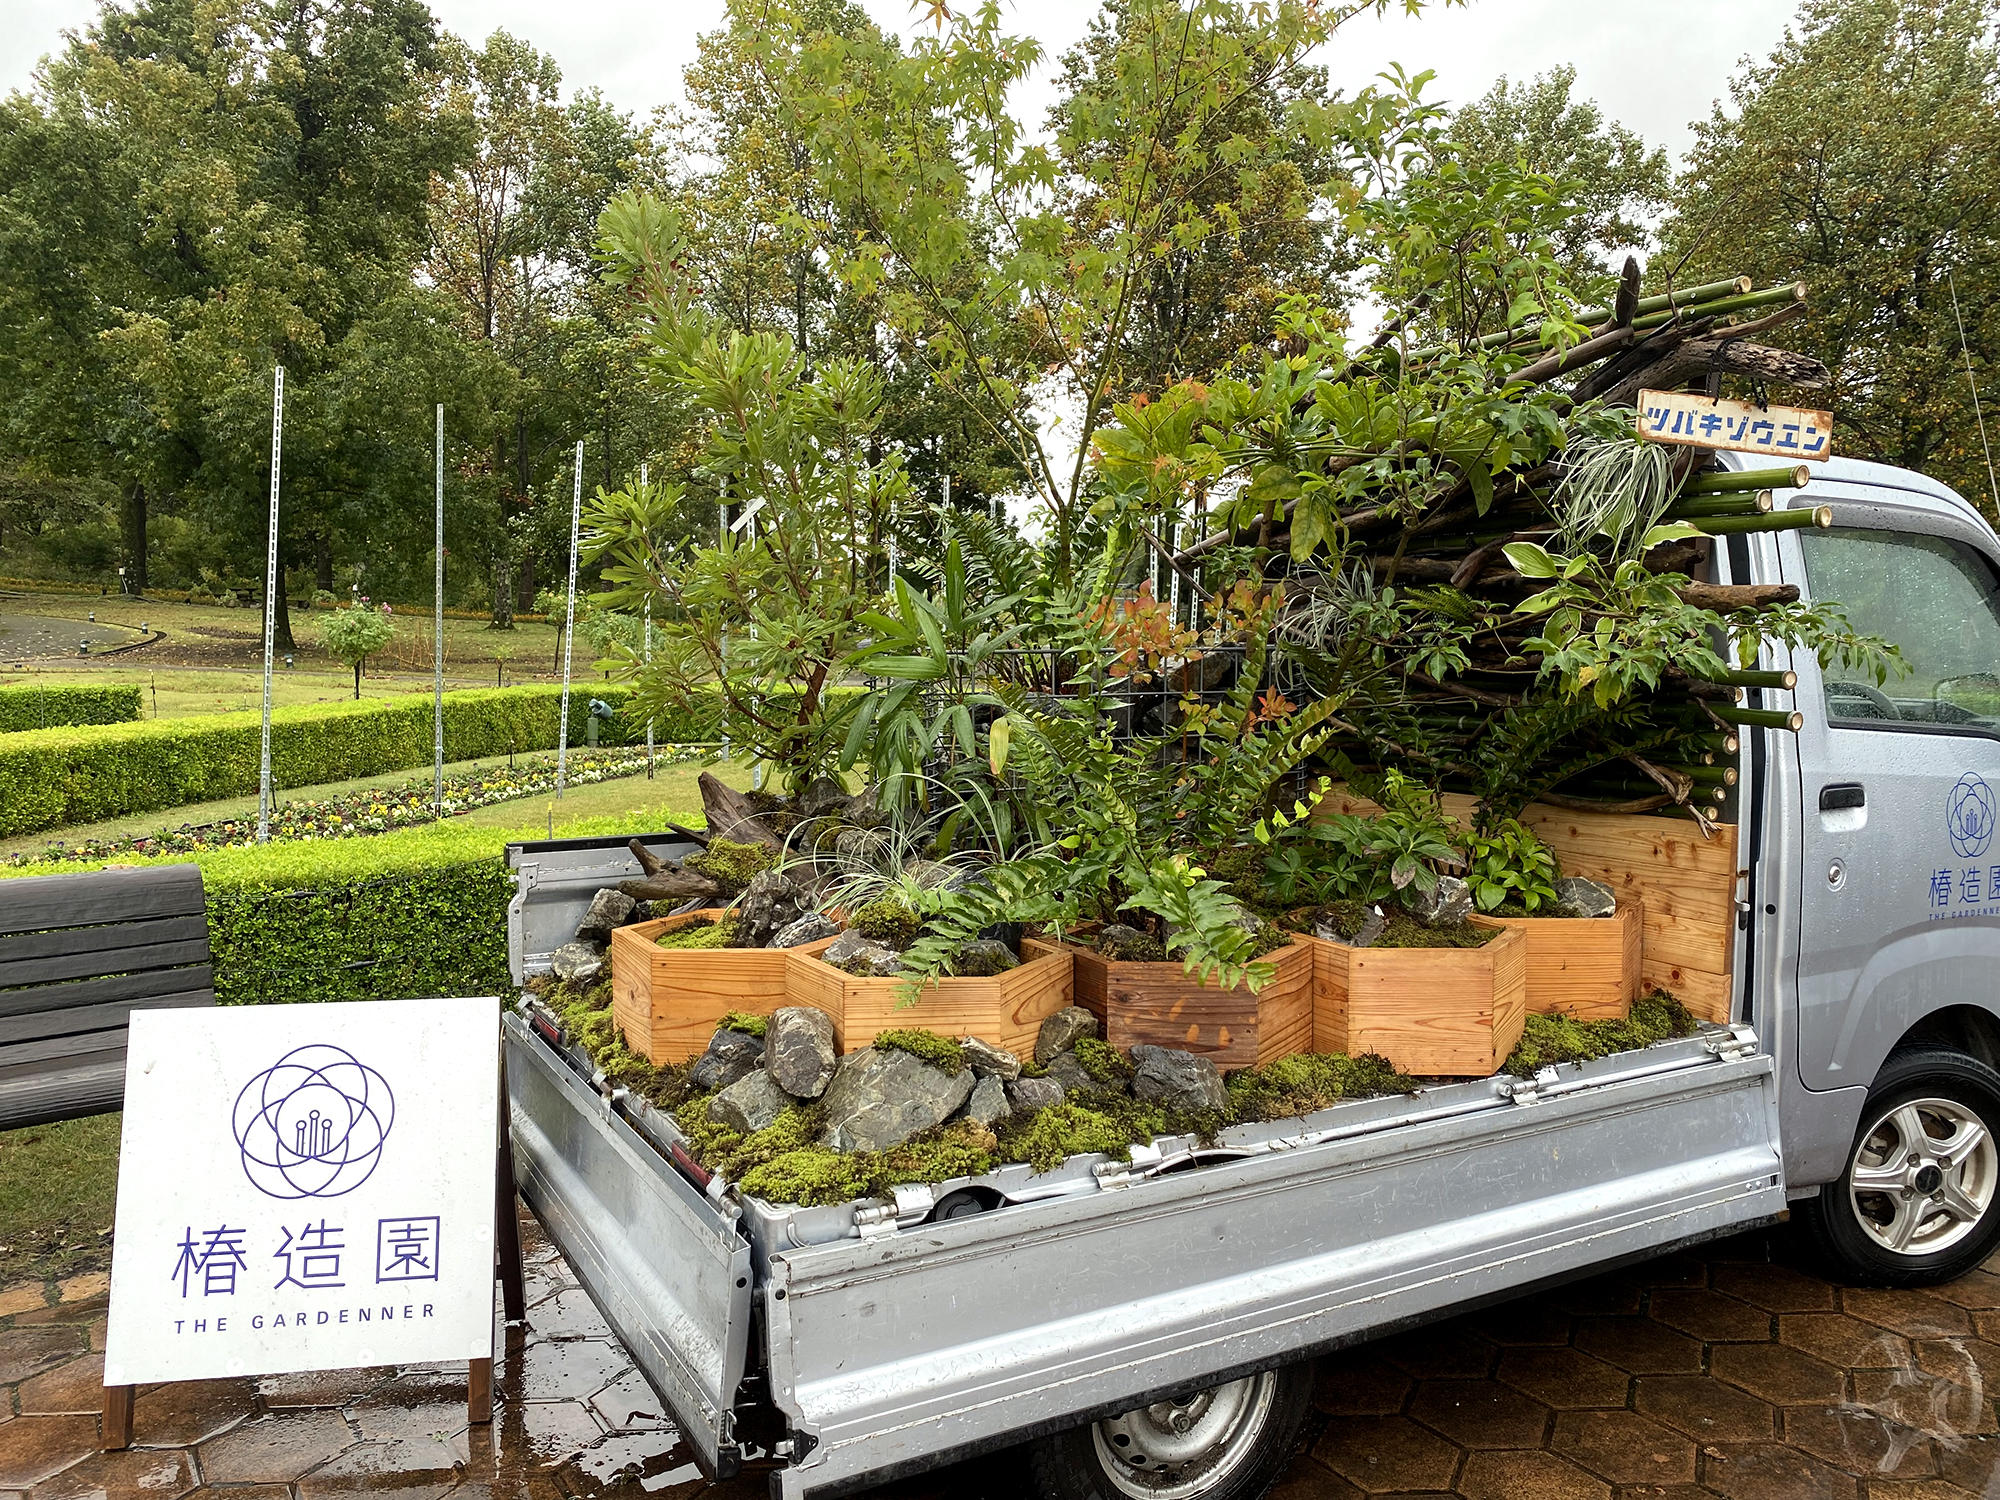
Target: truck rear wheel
[1919,1203]
[1227,1442]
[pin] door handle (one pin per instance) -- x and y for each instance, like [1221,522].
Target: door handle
[1842,794]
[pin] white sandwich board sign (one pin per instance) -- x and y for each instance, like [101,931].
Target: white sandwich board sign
[305,1187]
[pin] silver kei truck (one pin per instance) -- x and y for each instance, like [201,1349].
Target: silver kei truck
[1147,1329]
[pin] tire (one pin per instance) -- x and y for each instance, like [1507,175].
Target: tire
[1250,1427]
[1911,1208]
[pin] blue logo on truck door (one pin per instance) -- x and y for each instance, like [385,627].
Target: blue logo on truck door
[1968,816]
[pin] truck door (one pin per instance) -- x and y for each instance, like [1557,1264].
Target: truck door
[1900,884]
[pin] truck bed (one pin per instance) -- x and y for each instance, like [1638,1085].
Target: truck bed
[890,1341]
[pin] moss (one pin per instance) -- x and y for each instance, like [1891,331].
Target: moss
[1047,1137]
[926,1046]
[701,932]
[1546,1040]
[1400,929]
[1101,1061]
[1269,940]
[1143,949]
[749,1025]
[588,1015]
[887,921]
[811,1175]
[979,966]
[859,967]
[732,865]
[1307,1081]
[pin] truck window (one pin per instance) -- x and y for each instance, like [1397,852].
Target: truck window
[1934,598]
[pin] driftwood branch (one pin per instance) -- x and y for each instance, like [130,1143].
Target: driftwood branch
[733,816]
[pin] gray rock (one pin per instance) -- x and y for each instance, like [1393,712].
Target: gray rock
[799,1051]
[1033,1093]
[1180,1079]
[864,851]
[771,903]
[988,1104]
[1446,904]
[1371,929]
[808,929]
[609,909]
[876,958]
[822,798]
[1060,1031]
[578,962]
[989,1061]
[984,956]
[863,811]
[931,875]
[880,1098]
[1067,1071]
[1118,942]
[750,1103]
[1577,897]
[731,1055]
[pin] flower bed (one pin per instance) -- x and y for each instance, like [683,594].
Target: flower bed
[381,810]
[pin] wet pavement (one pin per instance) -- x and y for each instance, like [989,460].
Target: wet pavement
[1731,1372]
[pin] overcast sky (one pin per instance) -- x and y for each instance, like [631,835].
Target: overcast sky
[1656,69]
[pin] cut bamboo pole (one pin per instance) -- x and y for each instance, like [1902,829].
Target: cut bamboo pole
[1761,718]
[1769,297]
[1819,516]
[1734,503]
[1749,679]
[1791,477]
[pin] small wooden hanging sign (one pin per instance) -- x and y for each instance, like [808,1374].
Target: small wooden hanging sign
[1698,421]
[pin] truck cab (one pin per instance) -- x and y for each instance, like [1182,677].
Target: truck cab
[1868,925]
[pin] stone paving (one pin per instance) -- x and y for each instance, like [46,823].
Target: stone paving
[1731,1372]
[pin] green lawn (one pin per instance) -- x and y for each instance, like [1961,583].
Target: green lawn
[58,1189]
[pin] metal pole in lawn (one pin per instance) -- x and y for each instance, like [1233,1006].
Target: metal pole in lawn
[437,694]
[272,583]
[722,541]
[646,645]
[569,625]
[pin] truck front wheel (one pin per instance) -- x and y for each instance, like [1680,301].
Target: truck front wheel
[1228,1442]
[1919,1203]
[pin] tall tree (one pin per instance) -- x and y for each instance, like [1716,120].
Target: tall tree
[1863,158]
[1615,190]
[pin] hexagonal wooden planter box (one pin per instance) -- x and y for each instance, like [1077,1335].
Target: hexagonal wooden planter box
[1156,1004]
[1004,1009]
[1433,1012]
[668,1001]
[1586,967]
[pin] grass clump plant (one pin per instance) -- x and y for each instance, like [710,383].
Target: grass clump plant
[1563,1039]
[926,1046]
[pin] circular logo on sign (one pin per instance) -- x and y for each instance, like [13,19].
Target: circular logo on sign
[1969,816]
[312,1124]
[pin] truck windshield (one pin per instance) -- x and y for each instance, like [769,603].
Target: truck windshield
[1934,598]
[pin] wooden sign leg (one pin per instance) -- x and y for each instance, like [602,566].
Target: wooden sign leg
[479,1392]
[117,1417]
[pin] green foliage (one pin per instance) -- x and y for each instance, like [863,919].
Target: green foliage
[1298,1085]
[1560,1039]
[53,777]
[1508,863]
[732,865]
[348,935]
[1333,856]
[888,921]
[357,631]
[1862,156]
[32,706]
[927,1046]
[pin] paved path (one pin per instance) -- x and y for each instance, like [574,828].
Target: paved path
[1726,1373]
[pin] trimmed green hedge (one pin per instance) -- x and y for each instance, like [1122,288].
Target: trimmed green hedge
[401,915]
[33,706]
[53,778]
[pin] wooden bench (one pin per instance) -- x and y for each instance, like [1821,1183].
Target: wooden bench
[79,954]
